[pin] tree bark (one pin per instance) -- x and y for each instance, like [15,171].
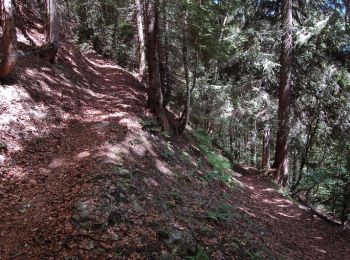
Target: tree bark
[312,130]
[49,50]
[253,144]
[283,127]
[141,40]
[155,95]
[265,161]
[9,39]
[186,113]
[168,84]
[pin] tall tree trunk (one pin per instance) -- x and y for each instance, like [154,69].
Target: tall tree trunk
[253,144]
[265,161]
[186,113]
[155,95]
[9,39]
[283,127]
[141,41]
[312,130]
[49,51]
[168,84]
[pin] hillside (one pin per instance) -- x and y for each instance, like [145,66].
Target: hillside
[87,174]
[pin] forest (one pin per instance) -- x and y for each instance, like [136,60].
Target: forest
[187,129]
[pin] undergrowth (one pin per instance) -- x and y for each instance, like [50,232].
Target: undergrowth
[221,165]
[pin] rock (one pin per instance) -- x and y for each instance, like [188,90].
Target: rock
[91,245]
[150,183]
[120,171]
[81,210]
[166,256]
[179,242]
[2,160]
[92,213]
[138,208]
[102,125]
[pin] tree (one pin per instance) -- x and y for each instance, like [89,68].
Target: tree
[155,94]
[9,39]
[141,41]
[51,48]
[184,119]
[283,127]
[265,162]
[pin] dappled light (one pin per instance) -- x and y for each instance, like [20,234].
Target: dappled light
[134,130]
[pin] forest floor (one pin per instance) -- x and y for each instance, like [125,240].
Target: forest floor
[85,174]
[96,183]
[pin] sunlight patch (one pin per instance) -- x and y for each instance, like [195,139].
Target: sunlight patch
[83,155]
[59,163]
[163,167]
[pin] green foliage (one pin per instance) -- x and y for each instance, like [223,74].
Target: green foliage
[329,187]
[107,26]
[185,157]
[201,254]
[151,126]
[167,151]
[221,213]
[215,159]
[3,147]
[254,255]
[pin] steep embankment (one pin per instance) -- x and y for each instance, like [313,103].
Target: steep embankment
[88,175]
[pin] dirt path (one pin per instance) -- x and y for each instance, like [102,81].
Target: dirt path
[44,178]
[293,232]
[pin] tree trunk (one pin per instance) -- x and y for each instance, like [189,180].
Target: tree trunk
[50,49]
[186,113]
[141,40]
[253,145]
[168,84]
[155,95]
[313,126]
[283,127]
[265,161]
[9,39]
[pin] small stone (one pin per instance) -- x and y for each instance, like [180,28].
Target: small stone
[178,242]
[91,245]
[81,210]
[2,160]
[166,256]
[102,125]
[123,172]
[150,183]
[138,208]
[32,183]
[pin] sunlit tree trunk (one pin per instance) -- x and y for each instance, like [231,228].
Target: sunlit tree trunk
[50,50]
[253,145]
[161,48]
[283,127]
[9,39]
[265,161]
[141,40]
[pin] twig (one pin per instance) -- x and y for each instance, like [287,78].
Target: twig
[17,255]
[93,238]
